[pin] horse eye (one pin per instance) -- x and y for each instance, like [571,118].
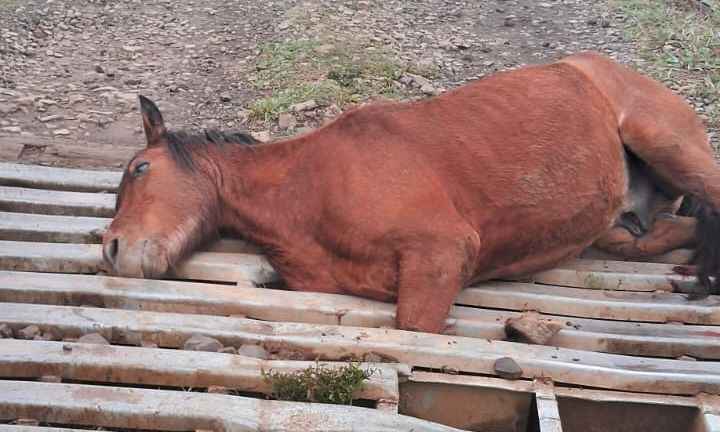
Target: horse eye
[141,168]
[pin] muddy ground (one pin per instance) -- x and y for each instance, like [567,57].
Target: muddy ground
[71,70]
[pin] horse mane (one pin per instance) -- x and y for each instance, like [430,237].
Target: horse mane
[184,146]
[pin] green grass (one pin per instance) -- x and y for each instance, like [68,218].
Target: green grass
[681,40]
[328,72]
[319,384]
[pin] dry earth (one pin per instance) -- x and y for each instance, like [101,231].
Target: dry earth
[70,70]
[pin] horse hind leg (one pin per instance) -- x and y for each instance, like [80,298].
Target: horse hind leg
[687,165]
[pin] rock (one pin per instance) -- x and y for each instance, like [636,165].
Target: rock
[419,80]
[687,358]
[6,331]
[50,379]
[148,344]
[27,422]
[202,343]
[507,368]
[428,89]
[262,136]
[286,121]
[25,101]
[28,332]
[7,108]
[530,327]
[51,334]
[304,106]
[372,357]
[93,338]
[53,117]
[228,350]
[218,390]
[255,351]
[61,132]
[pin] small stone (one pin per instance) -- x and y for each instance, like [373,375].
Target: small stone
[126,337]
[225,97]
[93,338]
[428,89]
[218,390]
[7,109]
[25,100]
[531,327]
[286,121]
[255,351]
[509,21]
[228,350]
[46,119]
[27,422]
[99,69]
[29,332]
[687,358]
[6,331]
[133,81]
[202,343]
[67,348]
[262,136]
[61,132]
[507,368]
[372,357]
[304,106]
[50,379]
[419,80]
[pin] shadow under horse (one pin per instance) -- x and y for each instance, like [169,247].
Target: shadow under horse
[411,202]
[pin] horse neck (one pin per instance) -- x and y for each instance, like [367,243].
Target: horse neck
[260,192]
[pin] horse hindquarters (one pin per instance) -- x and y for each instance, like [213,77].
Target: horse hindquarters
[665,132]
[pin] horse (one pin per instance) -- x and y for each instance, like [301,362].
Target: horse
[409,202]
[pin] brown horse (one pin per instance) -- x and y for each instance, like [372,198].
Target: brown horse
[410,202]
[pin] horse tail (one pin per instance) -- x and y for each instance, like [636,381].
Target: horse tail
[707,233]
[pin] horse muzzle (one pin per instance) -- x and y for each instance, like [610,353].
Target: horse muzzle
[144,258]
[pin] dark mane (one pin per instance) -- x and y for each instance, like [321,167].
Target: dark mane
[184,145]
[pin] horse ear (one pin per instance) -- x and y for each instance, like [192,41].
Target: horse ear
[152,121]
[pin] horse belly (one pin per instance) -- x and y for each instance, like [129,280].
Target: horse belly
[572,213]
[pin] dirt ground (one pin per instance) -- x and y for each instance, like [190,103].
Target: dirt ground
[71,70]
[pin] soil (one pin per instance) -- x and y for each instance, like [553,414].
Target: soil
[71,70]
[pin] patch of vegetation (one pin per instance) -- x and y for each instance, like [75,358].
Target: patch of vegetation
[330,73]
[681,39]
[319,384]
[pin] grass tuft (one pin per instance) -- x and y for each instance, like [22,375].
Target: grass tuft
[331,73]
[319,384]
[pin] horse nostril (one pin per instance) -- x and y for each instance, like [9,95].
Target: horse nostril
[110,250]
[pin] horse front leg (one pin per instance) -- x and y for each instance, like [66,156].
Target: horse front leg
[429,280]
